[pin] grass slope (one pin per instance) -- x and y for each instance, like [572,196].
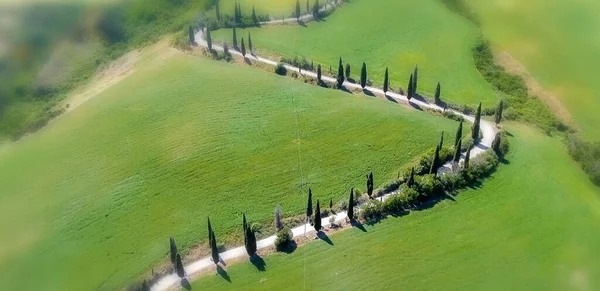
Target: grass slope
[90,201]
[528,227]
[275,8]
[558,43]
[386,33]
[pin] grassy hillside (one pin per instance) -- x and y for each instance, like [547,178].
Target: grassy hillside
[528,227]
[396,34]
[90,201]
[558,43]
[275,8]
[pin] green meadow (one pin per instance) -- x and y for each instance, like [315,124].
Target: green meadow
[558,42]
[275,8]
[386,33]
[528,227]
[90,201]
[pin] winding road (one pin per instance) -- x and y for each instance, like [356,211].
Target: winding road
[488,129]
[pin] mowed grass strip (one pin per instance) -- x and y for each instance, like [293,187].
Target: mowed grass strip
[386,33]
[530,226]
[91,201]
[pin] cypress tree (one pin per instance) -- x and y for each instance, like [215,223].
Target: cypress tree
[209,232]
[244,225]
[298,10]
[250,241]
[312,65]
[386,81]
[415,77]
[235,13]
[351,205]
[316,10]
[411,178]
[307,7]
[442,140]
[467,157]
[309,209]
[214,252]
[239,13]
[410,88]
[235,46]
[243,48]
[179,267]
[435,161]
[225,48]
[278,222]
[331,204]
[438,90]
[363,76]
[318,225]
[254,18]
[218,11]
[208,39]
[191,35]
[172,250]
[496,144]
[498,116]
[250,44]
[370,184]
[340,76]
[456,158]
[145,286]
[319,74]
[458,133]
[475,128]
[347,71]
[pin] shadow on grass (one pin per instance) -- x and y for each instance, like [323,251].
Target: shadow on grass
[302,23]
[420,98]
[258,262]
[290,248]
[415,106]
[248,62]
[323,236]
[358,225]
[390,98]
[223,273]
[368,92]
[185,284]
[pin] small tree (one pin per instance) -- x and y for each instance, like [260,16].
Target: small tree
[411,178]
[435,161]
[278,221]
[347,71]
[250,241]
[172,250]
[309,209]
[438,90]
[239,12]
[250,43]
[496,144]
[351,205]
[370,184]
[442,140]
[210,232]
[363,76]
[145,286]
[456,158]
[307,7]
[225,48]
[409,94]
[415,77]
[218,11]
[315,12]
[254,18]
[475,128]
[235,46]
[498,116]
[331,205]
[298,10]
[244,226]
[458,133]
[243,48]
[214,252]
[386,82]
[179,267]
[191,34]
[236,16]
[467,157]
[319,74]
[208,39]
[317,224]
[340,76]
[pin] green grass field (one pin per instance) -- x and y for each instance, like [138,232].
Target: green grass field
[275,8]
[558,43]
[529,227]
[396,34]
[89,202]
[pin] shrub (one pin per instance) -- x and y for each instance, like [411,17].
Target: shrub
[587,154]
[284,239]
[482,165]
[452,180]
[373,209]
[280,69]
[427,186]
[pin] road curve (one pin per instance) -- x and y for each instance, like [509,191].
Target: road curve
[488,129]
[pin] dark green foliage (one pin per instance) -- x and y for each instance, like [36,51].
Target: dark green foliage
[217,10]
[458,133]
[347,71]
[410,87]
[214,251]
[476,124]
[317,221]
[278,218]
[438,91]
[498,115]
[351,205]
[467,157]
[340,76]
[226,49]
[250,241]
[457,152]
[411,179]
[254,18]
[243,48]
[315,11]
[331,204]
[319,73]
[442,140]
[298,10]
[145,286]
[235,44]
[208,39]
[370,184]
[435,161]
[415,83]
[587,154]
[280,69]
[496,144]
[386,81]
[363,76]
[191,34]
[179,267]
[284,239]
[244,225]
[209,231]
[307,7]
[309,207]
[250,43]
[172,250]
